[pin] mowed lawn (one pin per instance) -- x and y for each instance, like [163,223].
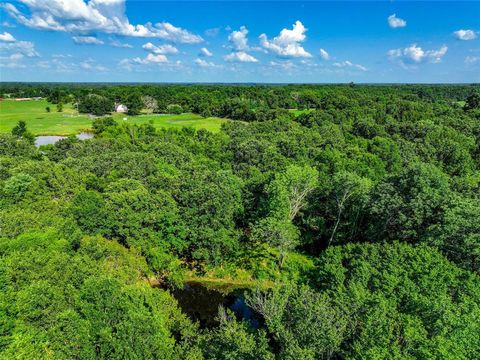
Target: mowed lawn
[173,121]
[68,122]
[39,121]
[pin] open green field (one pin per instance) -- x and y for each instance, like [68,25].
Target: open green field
[174,121]
[68,122]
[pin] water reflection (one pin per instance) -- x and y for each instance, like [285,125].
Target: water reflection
[201,304]
[47,140]
[52,139]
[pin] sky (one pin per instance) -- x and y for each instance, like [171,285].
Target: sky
[240,41]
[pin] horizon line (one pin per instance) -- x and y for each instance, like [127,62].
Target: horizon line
[233,83]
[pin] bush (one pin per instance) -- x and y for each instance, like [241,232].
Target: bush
[174,109]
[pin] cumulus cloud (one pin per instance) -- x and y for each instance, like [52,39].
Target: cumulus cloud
[349,64]
[87,40]
[238,39]
[395,22]
[240,56]
[324,54]
[162,49]
[79,16]
[465,34]
[415,55]
[436,56]
[287,43]
[7,37]
[151,58]
[239,43]
[156,55]
[205,52]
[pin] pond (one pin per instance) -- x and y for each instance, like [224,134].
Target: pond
[52,139]
[201,304]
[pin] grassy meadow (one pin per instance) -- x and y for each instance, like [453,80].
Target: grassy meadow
[69,122]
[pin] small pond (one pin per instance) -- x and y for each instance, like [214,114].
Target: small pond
[52,139]
[201,304]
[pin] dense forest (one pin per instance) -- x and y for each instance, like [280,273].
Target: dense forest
[349,213]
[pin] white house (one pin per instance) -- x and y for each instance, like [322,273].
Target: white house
[120,108]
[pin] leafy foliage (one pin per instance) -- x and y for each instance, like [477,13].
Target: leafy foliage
[355,207]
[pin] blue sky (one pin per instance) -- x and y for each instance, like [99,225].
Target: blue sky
[239,41]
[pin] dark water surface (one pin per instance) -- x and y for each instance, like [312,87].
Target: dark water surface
[201,304]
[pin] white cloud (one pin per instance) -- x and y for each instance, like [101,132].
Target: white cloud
[205,52]
[395,22]
[148,60]
[160,62]
[162,49]
[166,49]
[16,56]
[118,44]
[156,55]
[472,60]
[324,54]
[151,58]
[108,16]
[287,43]
[349,64]
[63,64]
[13,57]
[205,64]
[59,64]
[465,34]
[14,51]
[436,56]
[7,37]
[285,65]
[240,56]
[415,55]
[239,43]
[87,40]
[25,47]
[238,39]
